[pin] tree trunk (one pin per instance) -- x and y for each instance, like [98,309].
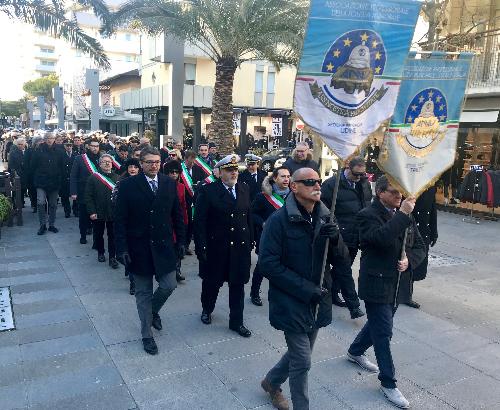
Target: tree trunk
[222,106]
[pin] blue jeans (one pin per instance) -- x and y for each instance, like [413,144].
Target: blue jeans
[377,332]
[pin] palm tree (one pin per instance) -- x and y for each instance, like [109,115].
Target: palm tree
[51,18]
[229,32]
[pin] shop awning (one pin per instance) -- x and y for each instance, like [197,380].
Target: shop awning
[490,116]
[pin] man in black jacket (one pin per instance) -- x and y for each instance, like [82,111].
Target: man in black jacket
[252,176]
[291,257]
[18,164]
[68,158]
[353,195]
[301,158]
[381,231]
[47,171]
[146,216]
[223,239]
[83,166]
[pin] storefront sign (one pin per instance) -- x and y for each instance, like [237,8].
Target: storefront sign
[277,124]
[108,111]
[236,124]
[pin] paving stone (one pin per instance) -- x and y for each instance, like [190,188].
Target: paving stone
[13,397]
[11,374]
[117,327]
[46,306]
[10,354]
[54,316]
[49,263]
[52,294]
[62,283]
[54,331]
[486,359]
[453,341]
[34,278]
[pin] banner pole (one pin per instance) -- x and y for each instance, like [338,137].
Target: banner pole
[327,243]
[403,255]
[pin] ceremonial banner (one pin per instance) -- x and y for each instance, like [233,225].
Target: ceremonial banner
[421,140]
[350,70]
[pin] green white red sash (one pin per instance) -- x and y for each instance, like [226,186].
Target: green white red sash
[206,169]
[187,180]
[275,200]
[116,164]
[93,170]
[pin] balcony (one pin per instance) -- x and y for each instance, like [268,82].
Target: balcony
[46,56]
[46,68]
[484,78]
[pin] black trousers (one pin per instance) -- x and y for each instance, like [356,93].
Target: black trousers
[84,221]
[209,293]
[256,281]
[377,332]
[66,203]
[98,232]
[189,227]
[345,284]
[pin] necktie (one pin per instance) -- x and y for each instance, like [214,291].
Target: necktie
[230,189]
[154,186]
[255,177]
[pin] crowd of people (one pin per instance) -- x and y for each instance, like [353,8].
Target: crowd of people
[152,203]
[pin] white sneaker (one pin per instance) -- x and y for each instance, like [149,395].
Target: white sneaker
[363,362]
[395,397]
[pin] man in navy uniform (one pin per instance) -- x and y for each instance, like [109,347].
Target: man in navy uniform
[224,241]
[252,176]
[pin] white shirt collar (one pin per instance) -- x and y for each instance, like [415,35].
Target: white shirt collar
[151,179]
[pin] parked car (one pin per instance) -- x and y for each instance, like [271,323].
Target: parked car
[274,158]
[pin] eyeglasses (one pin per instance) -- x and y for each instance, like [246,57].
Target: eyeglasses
[358,174]
[94,146]
[151,162]
[106,162]
[393,191]
[309,182]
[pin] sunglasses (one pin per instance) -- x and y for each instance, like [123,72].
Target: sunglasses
[359,174]
[393,191]
[310,181]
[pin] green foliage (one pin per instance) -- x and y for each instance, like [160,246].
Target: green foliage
[41,86]
[14,108]
[5,208]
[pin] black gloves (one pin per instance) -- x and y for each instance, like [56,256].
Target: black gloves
[124,259]
[181,251]
[319,294]
[433,241]
[330,230]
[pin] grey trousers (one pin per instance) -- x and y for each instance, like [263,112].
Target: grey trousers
[42,197]
[149,303]
[295,365]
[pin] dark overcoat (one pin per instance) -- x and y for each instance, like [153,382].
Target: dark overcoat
[98,197]
[46,165]
[145,223]
[291,257]
[224,230]
[17,163]
[67,163]
[255,186]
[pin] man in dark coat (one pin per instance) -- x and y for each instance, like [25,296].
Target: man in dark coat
[82,168]
[68,158]
[301,158]
[353,195]
[28,160]
[47,171]
[425,215]
[291,257]
[147,214]
[252,176]
[381,231]
[223,239]
[18,164]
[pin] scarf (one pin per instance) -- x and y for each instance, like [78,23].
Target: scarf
[281,192]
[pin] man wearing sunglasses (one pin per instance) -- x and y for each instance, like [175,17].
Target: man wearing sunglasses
[291,257]
[354,194]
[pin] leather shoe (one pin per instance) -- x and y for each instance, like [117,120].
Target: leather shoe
[53,229]
[149,345]
[132,288]
[42,230]
[413,304]
[179,277]
[189,252]
[241,330]
[338,301]
[113,263]
[206,318]
[89,231]
[256,300]
[157,321]
[83,240]
[101,257]
[356,313]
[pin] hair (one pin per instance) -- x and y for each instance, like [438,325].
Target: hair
[123,148]
[276,171]
[131,161]
[48,135]
[173,165]
[189,154]
[382,184]
[148,150]
[356,162]
[203,145]
[302,144]
[104,156]
[91,140]
[20,140]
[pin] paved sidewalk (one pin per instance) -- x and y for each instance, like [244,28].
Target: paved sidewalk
[77,343]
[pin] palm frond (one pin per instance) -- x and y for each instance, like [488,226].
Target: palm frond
[99,8]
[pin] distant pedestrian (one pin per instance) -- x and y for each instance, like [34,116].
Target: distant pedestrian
[252,176]
[301,158]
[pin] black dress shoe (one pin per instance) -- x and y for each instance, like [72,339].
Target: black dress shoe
[413,304]
[34,210]
[113,263]
[42,230]
[149,345]
[179,277]
[68,215]
[206,318]
[83,240]
[256,300]
[89,231]
[356,313]
[189,252]
[132,288]
[241,330]
[101,257]
[157,321]
[338,301]
[53,229]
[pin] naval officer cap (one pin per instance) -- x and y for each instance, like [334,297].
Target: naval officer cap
[252,159]
[229,161]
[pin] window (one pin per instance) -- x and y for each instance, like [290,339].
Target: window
[259,86]
[47,50]
[48,63]
[78,53]
[189,73]
[128,37]
[128,58]
[271,79]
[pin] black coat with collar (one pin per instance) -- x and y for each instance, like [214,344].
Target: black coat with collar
[67,165]
[291,257]
[80,173]
[144,224]
[47,168]
[223,229]
[255,186]
[381,241]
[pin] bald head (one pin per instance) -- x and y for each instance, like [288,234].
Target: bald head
[306,186]
[304,173]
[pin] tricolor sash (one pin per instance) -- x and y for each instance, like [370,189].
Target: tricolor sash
[116,164]
[275,200]
[93,171]
[187,180]
[206,169]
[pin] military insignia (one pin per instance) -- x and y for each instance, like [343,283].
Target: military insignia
[354,60]
[425,123]
[234,160]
